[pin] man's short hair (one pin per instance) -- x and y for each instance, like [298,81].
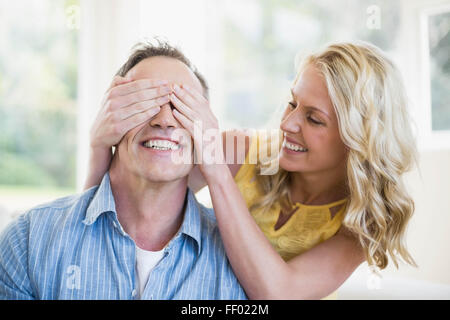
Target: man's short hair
[147,49]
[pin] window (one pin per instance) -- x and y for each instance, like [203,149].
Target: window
[262,38]
[439,48]
[434,112]
[38,76]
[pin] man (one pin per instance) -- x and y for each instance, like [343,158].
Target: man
[140,233]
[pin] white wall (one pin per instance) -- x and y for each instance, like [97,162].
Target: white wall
[428,241]
[429,232]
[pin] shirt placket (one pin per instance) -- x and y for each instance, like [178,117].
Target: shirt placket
[129,258]
[154,288]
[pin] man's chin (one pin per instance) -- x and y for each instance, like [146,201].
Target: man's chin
[163,179]
[161,175]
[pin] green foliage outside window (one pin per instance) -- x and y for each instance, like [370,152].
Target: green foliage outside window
[38,90]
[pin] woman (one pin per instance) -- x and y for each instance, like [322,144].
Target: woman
[338,198]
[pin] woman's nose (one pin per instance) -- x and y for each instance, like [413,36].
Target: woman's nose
[291,122]
[164,119]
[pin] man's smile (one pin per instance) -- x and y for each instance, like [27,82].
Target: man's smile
[161,144]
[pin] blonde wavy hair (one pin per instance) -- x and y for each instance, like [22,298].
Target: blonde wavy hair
[371,107]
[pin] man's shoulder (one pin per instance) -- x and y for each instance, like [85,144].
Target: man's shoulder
[209,228]
[68,201]
[48,214]
[208,217]
[74,203]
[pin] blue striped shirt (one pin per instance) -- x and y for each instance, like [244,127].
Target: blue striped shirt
[75,248]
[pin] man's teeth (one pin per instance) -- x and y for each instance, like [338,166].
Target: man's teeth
[161,145]
[294,147]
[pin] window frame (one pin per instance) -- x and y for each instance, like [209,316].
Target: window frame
[430,139]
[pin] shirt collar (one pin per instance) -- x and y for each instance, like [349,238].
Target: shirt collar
[192,222]
[103,201]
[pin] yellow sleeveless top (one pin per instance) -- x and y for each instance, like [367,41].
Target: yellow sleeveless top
[308,226]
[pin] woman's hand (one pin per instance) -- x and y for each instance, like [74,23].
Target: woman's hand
[126,104]
[192,110]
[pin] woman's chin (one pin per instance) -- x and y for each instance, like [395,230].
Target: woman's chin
[291,165]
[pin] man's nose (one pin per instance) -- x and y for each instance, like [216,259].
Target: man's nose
[164,119]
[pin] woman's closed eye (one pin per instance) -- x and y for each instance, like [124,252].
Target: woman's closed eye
[314,121]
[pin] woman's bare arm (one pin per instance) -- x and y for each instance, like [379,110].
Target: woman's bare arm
[230,138]
[99,161]
[260,269]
